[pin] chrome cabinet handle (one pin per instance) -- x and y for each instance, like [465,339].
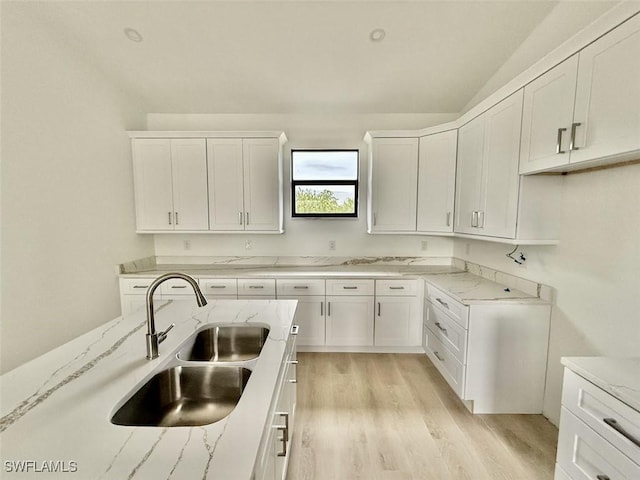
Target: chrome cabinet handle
[240,218]
[448,219]
[474,219]
[378,308]
[442,302]
[572,145]
[438,356]
[349,288]
[321,309]
[217,286]
[603,477]
[612,422]
[246,216]
[328,309]
[141,286]
[559,141]
[256,286]
[169,213]
[285,433]
[176,218]
[301,287]
[396,288]
[442,329]
[480,219]
[292,362]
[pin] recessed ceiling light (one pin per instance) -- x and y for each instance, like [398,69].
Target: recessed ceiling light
[377,35]
[133,35]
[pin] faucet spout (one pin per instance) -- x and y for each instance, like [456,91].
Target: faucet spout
[153,338]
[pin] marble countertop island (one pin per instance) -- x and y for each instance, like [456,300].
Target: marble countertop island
[618,376]
[56,409]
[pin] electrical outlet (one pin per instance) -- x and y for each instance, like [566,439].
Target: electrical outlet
[248,245]
[187,245]
[332,244]
[424,245]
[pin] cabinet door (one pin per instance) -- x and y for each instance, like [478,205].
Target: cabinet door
[469,174]
[546,118]
[349,320]
[436,181]
[262,185]
[500,183]
[397,322]
[608,95]
[226,200]
[189,176]
[393,182]
[310,316]
[153,186]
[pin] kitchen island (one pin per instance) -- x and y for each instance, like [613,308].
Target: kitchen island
[56,409]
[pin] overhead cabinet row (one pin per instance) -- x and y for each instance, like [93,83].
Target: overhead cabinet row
[208,184]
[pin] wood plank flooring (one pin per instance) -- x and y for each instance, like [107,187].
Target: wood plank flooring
[393,417]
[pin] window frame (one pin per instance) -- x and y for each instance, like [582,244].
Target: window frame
[355,183]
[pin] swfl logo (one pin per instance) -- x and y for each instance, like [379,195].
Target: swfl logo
[45,466]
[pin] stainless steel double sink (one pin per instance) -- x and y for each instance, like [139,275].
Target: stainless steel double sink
[199,386]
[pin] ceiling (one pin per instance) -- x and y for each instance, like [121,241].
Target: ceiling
[297,56]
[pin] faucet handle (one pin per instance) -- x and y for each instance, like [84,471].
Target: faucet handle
[162,336]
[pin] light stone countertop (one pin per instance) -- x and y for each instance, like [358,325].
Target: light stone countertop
[57,407]
[618,376]
[466,287]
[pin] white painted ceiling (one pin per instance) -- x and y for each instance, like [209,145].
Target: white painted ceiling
[298,56]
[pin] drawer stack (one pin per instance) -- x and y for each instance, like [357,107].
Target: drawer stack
[599,435]
[445,336]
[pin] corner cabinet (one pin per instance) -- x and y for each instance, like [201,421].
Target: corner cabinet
[586,110]
[194,182]
[170,184]
[492,201]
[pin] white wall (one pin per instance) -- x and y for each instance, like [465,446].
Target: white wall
[67,194]
[595,271]
[306,237]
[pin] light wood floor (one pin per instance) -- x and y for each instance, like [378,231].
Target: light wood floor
[392,417]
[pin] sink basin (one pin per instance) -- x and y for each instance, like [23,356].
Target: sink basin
[185,396]
[226,344]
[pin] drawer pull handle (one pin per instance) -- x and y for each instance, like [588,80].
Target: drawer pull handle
[301,287]
[141,286]
[217,286]
[559,141]
[178,286]
[442,329]
[616,426]
[443,303]
[256,286]
[603,477]
[350,288]
[438,356]
[396,288]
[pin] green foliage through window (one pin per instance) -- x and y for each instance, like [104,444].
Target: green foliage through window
[312,201]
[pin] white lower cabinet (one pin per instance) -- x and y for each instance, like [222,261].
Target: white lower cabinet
[599,435]
[492,355]
[397,314]
[349,320]
[310,313]
[274,454]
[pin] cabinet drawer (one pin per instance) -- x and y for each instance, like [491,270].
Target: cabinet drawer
[215,287]
[593,405]
[176,286]
[583,454]
[350,287]
[447,331]
[290,286]
[397,287]
[135,286]
[262,286]
[457,310]
[446,362]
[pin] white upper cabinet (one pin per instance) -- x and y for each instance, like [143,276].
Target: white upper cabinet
[170,184]
[245,186]
[608,96]
[436,181]
[393,184]
[546,118]
[487,178]
[586,110]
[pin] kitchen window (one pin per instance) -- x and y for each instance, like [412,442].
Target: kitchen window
[324,183]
